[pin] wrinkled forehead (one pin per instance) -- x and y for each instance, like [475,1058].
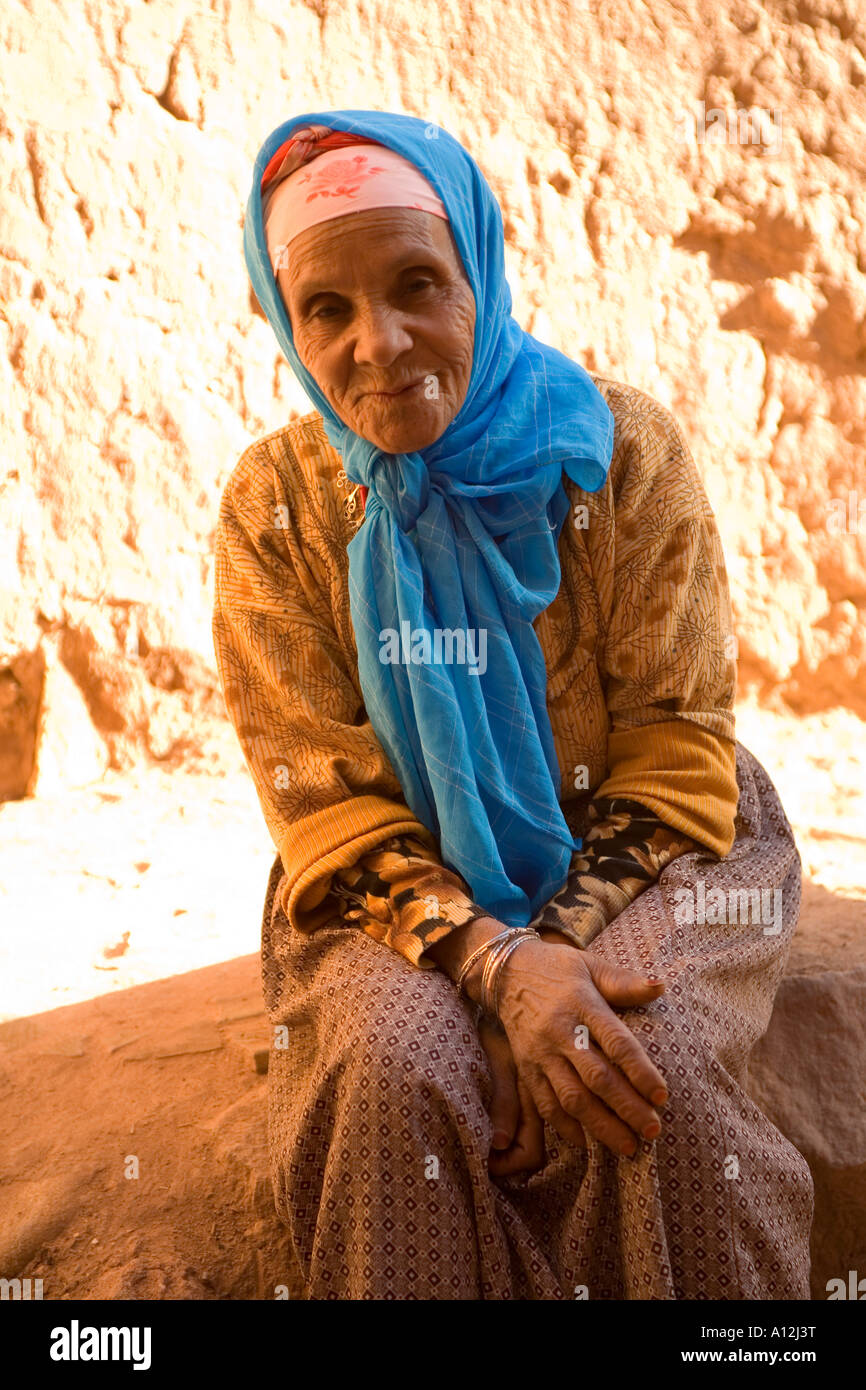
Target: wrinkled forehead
[371,246]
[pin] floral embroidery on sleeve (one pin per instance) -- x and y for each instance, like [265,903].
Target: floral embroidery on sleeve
[625,848]
[402,895]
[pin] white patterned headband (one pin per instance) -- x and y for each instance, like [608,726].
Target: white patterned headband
[340,181]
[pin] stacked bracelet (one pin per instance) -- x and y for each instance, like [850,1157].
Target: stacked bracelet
[492,976]
[499,948]
[505,935]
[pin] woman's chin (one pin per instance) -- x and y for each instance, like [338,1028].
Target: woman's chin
[402,437]
[404,444]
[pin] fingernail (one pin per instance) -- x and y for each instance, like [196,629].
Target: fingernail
[630,1149]
[653,979]
[652,1129]
[659,1096]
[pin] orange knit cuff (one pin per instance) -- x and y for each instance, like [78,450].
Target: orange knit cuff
[314,848]
[683,773]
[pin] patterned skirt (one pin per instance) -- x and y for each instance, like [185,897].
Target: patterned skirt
[379,1131]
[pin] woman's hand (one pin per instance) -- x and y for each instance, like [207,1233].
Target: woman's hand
[581,1065]
[518,1130]
[578,1065]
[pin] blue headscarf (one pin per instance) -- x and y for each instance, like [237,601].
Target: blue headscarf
[476,516]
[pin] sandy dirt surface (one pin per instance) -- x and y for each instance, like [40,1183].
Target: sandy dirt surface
[133,1151]
[136,877]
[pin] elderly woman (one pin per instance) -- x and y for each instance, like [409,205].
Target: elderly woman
[473,629]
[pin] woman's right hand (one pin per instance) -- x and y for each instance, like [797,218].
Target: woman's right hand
[518,1132]
[581,1064]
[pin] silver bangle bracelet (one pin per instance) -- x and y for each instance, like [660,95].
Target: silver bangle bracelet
[497,979]
[490,965]
[476,955]
[494,962]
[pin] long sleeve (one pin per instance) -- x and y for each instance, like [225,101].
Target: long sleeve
[625,848]
[327,790]
[666,668]
[666,659]
[402,895]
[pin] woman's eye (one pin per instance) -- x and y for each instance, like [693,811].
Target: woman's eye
[416,286]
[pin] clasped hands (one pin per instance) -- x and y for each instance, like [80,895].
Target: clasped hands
[561,1053]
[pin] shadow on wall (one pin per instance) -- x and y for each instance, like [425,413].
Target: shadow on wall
[70,709]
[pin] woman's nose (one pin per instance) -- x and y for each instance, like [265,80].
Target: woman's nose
[380,336]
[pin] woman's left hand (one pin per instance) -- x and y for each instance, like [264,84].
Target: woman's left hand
[518,1130]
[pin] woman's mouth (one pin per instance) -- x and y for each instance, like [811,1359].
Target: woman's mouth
[402,391]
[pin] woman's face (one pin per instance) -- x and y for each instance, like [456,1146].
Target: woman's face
[378,301]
